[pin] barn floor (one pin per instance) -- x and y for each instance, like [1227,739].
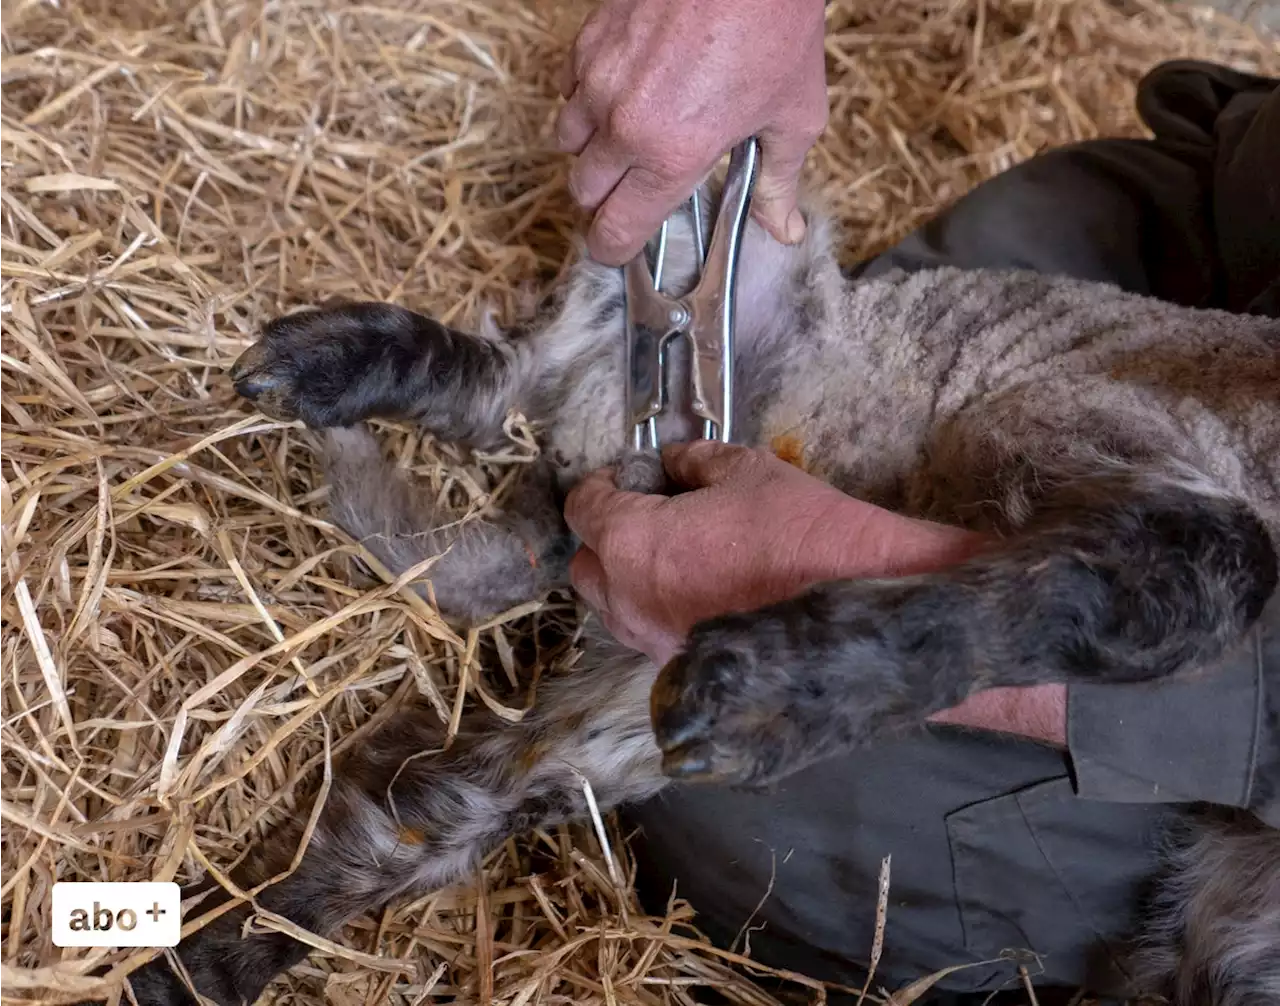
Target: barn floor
[186,648]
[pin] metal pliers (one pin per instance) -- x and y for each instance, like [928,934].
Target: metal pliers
[704,316]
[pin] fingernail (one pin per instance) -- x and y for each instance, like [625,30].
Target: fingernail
[795,227]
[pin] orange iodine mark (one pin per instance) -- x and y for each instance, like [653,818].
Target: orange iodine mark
[789,448]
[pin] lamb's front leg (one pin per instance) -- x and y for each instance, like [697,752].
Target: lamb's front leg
[1122,578]
[337,366]
[406,817]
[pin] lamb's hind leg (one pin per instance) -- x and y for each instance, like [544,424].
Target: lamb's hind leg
[405,817]
[483,565]
[1123,577]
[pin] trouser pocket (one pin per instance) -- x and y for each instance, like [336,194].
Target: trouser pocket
[1043,871]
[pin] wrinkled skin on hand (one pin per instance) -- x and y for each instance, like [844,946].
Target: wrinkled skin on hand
[747,530]
[659,90]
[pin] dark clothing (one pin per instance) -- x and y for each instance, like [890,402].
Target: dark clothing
[1191,217]
[997,842]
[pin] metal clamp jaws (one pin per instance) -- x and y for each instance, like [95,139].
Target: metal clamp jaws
[704,316]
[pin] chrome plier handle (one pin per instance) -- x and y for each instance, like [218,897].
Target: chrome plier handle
[704,316]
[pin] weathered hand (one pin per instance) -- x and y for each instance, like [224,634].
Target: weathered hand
[752,530]
[659,89]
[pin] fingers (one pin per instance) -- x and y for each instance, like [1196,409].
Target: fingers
[587,576]
[595,502]
[774,201]
[586,573]
[703,463]
[598,169]
[586,508]
[782,155]
[633,213]
[783,147]
[628,169]
[574,125]
[589,84]
[584,44]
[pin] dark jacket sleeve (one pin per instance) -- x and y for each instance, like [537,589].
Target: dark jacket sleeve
[1213,736]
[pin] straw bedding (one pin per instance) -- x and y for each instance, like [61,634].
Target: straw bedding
[187,644]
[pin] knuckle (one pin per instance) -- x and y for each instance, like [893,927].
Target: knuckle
[595,77]
[589,35]
[591,82]
[614,542]
[629,126]
[701,452]
[719,462]
[809,120]
[581,570]
[718,452]
[750,464]
[816,110]
[620,540]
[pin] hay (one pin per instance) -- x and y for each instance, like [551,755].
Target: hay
[184,648]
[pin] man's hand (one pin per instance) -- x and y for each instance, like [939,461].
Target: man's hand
[659,89]
[751,530]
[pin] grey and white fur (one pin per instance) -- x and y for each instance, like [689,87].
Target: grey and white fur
[1124,453]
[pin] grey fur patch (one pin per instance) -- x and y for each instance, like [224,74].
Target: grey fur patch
[483,566]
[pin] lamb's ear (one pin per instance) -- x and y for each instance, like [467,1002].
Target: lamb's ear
[484,566]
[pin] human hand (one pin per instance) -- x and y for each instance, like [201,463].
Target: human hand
[753,530]
[659,89]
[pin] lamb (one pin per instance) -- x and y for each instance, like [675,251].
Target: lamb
[1124,451]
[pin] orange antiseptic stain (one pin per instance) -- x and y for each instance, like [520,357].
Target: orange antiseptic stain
[412,836]
[790,449]
[534,753]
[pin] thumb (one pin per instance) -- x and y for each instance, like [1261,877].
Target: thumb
[596,503]
[774,201]
[783,148]
[704,463]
